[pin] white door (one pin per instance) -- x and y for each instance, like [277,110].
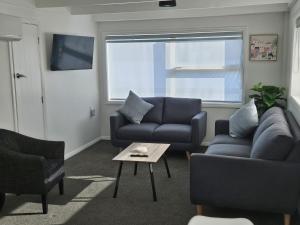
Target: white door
[6,93]
[28,83]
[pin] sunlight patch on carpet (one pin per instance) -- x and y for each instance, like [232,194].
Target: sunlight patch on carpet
[30,212]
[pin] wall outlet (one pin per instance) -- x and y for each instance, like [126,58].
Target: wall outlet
[92,112]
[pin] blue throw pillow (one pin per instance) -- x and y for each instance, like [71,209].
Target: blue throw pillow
[135,108]
[244,121]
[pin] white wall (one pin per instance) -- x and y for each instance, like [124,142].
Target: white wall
[266,72]
[293,104]
[69,94]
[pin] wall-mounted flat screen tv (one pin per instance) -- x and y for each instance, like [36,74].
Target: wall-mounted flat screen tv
[71,52]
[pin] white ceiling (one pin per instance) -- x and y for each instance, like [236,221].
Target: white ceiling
[110,10]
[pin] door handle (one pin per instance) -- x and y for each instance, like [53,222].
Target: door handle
[18,75]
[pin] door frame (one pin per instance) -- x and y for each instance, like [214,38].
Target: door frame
[13,83]
[13,86]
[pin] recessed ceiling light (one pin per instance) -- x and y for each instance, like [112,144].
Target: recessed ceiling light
[169,3]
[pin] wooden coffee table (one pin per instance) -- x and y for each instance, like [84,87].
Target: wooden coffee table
[154,153]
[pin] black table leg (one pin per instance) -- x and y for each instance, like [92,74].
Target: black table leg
[2,200]
[167,166]
[45,204]
[152,182]
[118,179]
[135,168]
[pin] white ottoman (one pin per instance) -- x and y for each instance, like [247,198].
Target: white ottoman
[203,220]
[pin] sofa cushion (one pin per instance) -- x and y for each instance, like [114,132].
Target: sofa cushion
[271,111]
[155,115]
[141,131]
[135,108]
[244,121]
[267,122]
[180,110]
[229,150]
[226,139]
[274,143]
[173,133]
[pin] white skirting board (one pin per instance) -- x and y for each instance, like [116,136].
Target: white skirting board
[105,138]
[82,148]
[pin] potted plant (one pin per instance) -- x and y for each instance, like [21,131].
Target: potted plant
[267,96]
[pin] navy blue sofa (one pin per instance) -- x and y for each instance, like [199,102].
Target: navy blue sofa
[177,121]
[261,172]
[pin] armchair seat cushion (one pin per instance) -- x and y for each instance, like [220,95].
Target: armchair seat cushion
[141,131]
[226,139]
[173,133]
[229,150]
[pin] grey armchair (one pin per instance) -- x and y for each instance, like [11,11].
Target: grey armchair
[30,166]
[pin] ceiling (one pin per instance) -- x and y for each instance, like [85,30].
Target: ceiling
[110,10]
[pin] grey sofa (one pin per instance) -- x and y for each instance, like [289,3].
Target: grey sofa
[177,121]
[261,172]
[30,166]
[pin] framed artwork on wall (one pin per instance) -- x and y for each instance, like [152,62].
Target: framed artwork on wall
[263,47]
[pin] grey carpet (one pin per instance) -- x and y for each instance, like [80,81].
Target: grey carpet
[89,186]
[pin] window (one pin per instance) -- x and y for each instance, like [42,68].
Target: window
[295,90]
[197,65]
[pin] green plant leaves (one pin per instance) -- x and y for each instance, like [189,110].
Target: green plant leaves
[267,96]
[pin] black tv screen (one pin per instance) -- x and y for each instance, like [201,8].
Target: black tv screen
[71,52]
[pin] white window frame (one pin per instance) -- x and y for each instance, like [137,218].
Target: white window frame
[205,104]
[295,69]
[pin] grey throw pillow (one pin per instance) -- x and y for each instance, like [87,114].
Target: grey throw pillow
[135,108]
[243,122]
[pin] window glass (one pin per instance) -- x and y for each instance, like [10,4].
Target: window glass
[206,66]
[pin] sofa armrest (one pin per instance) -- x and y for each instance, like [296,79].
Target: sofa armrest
[199,122]
[19,171]
[117,120]
[222,127]
[244,183]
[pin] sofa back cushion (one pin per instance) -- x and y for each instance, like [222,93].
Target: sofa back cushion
[155,115]
[271,111]
[274,143]
[269,121]
[270,117]
[180,110]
